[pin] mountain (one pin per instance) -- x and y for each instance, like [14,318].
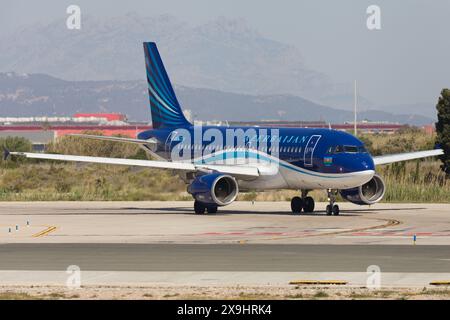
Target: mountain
[423,108]
[44,95]
[223,54]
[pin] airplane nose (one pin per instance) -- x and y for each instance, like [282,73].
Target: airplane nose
[367,169]
[355,163]
[367,163]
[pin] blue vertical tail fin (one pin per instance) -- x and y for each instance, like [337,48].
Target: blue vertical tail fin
[166,111]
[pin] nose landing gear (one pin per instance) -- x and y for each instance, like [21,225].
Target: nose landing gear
[332,208]
[200,208]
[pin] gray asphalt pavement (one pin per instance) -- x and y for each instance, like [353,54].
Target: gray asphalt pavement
[225,257]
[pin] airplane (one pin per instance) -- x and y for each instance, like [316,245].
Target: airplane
[252,158]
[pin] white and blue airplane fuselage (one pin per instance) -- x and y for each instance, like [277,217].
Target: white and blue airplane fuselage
[217,162]
[302,158]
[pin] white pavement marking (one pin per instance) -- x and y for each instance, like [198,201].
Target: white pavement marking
[146,278]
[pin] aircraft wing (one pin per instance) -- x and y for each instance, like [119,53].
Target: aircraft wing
[240,171]
[390,158]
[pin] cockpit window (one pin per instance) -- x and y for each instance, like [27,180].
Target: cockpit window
[351,149]
[362,149]
[339,149]
[347,149]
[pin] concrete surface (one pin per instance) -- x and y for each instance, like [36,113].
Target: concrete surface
[241,279]
[120,243]
[241,222]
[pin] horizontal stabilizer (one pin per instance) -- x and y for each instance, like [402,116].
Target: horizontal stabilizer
[148,145]
[110,138]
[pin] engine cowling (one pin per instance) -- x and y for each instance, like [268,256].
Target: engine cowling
[369,193]
[214,188]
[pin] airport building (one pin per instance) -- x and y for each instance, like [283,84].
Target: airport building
[42,130]
[363,127]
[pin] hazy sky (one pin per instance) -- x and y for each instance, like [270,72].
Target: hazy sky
[406,61]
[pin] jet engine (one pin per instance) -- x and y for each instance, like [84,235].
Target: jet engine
[369,193]
[214,188]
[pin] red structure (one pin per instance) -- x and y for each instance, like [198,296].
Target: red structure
[429,129]
[61,130]
[107,116]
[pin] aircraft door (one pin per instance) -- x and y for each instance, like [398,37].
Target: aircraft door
[309,150]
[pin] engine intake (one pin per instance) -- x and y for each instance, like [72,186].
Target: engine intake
[369,193]
[214,188]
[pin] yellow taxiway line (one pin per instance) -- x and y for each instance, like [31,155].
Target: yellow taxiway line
[44,232]
[440,283]
[330,282]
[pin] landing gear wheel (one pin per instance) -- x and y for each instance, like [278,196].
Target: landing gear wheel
[308,204]
[296,204]
[212,209]
[329,211]
[199,207]
[336,210]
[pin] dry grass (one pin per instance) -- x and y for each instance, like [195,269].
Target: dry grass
[68,181]
[419,181]
[414,181]
[221,292]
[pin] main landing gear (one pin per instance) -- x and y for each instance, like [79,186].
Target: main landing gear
[332,208]
[304,203]
[200,208]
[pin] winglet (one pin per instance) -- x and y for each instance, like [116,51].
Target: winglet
[6,153]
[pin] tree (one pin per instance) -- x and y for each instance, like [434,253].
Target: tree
[443,129]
